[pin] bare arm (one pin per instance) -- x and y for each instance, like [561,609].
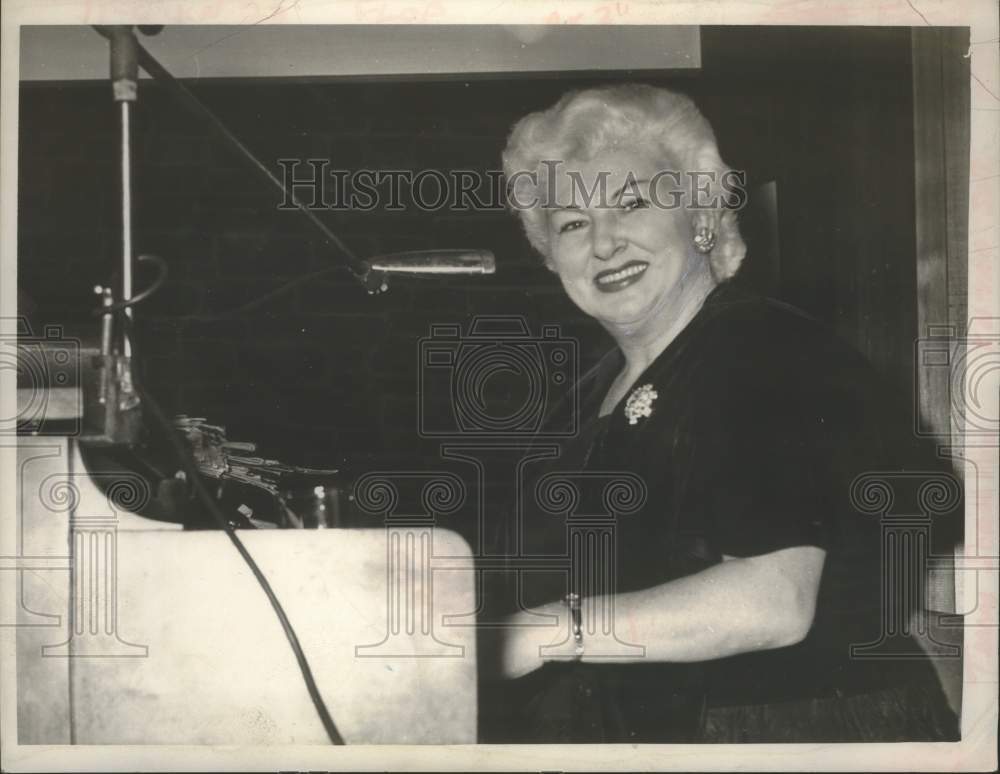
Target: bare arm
[740,605]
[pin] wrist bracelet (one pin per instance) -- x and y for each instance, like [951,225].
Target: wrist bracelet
[576,622]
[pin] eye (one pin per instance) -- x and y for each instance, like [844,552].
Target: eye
[636,203]
[570,225]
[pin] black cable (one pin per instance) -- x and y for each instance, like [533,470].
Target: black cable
[194,476]
[119,309]
[138,297]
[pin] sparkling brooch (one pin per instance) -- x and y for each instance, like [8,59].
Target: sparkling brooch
[640,403]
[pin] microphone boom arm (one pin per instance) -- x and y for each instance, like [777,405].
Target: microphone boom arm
[157,71]
[371,273]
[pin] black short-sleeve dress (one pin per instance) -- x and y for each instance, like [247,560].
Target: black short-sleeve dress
[760,423]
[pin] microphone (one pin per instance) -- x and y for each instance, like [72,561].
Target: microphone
[417,262]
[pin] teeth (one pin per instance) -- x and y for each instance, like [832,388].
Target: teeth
[620,275]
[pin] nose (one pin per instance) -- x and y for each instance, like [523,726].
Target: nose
[608,240]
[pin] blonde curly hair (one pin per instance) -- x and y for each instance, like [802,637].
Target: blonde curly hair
[587,122]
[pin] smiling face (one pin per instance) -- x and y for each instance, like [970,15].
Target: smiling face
[621,257]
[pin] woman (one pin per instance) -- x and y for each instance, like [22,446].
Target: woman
[741,583]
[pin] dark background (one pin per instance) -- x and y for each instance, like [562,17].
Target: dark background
[327,373]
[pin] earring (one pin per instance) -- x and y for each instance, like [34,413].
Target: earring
[704,240]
